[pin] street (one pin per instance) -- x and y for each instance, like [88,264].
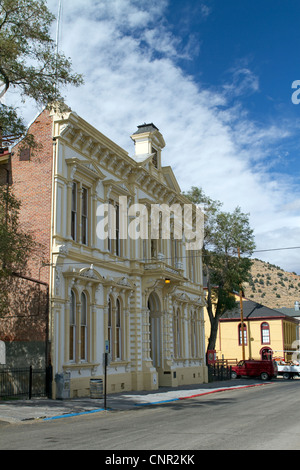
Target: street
[257,418]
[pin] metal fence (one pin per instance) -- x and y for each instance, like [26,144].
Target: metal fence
[25,383]
[219,372]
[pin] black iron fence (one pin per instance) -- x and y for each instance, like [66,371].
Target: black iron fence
[25,382]
[219,372]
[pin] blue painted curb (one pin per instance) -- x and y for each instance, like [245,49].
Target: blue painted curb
[157,402]
[69,415]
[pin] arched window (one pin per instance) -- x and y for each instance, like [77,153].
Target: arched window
[240,334]
[83,328]
[72,327]
[265,333]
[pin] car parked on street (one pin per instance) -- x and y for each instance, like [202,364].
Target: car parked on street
[266,370]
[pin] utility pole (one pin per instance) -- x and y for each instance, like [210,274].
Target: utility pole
[242,314]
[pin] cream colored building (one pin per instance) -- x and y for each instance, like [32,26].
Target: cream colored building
[140,299]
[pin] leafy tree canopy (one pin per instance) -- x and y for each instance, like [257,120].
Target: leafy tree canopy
[29,61]
[228,244]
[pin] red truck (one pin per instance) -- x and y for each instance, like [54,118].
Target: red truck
[264,369]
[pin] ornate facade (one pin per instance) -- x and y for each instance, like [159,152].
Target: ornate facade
[139,298]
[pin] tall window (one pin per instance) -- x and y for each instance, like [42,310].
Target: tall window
[145,250]
[174,249]
[194,339]
[111,225]
[74,212]
[240,334]
[177,333]
[72,329]
[118,244]
[118,331]
[109,326]
[192,265]
[84,216]
[265,333]
[83,328]
[114,332]
[154,157]
[153,248]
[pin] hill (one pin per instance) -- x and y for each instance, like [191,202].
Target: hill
[272,286]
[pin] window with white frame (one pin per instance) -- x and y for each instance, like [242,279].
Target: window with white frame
[241,328]
[114,242]
[177,333]
[109,326]
[83,328]
[74,212]
[114,329]
[72,327]
[194,336]
[118,342]
[265,333]
[117,241]
[84,216]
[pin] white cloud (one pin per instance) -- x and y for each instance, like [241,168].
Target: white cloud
[243,81]
[129,59]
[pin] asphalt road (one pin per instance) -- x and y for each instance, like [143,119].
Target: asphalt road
[260,418]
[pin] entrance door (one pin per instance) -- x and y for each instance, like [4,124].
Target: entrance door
[266,354]
[155,329]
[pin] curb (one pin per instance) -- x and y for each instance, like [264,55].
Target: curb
[202,394]
[114,406]
[71,415]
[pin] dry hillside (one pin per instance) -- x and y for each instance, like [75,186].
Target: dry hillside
[272,286]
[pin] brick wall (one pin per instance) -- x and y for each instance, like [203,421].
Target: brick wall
[32,184]
[23,327]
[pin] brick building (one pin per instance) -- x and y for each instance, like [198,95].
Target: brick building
[24,328]
[139,298]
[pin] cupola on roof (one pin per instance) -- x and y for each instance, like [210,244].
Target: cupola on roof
[146,128]
[148,143]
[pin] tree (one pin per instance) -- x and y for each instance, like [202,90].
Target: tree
[15,244]
[226,235]
[29,62]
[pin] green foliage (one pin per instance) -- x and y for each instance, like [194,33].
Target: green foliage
[15,245]
[29,62]
[226,235]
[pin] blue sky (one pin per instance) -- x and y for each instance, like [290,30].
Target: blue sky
[215,76]
[249,48]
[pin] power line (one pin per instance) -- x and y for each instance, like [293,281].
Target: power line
[278,249]
[149,260]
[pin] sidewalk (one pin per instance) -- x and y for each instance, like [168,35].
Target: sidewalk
[14,411]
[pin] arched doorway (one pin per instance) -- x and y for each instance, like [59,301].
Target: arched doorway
[266,354]
[155,329]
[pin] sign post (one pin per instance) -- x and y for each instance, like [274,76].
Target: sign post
[105,371]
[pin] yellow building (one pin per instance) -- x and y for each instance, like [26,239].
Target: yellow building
[267,333]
